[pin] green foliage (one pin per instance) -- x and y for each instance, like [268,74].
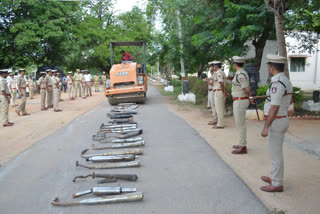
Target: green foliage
[176,83]
[262,91]
[297,98]
[199,88]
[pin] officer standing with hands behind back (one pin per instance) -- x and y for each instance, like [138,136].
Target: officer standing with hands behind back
[22,84]
[277,123]
[211,95]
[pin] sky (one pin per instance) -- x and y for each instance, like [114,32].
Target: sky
[126,5]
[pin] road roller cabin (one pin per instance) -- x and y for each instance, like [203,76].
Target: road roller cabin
[128,80]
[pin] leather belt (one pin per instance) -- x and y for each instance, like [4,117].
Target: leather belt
[13,88]
[210,89]
[22,88]
[43,88]
[49,85]
[69,83]
[240,98]
[277,117]
[217,90]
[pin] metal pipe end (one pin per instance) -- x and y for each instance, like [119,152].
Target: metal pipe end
[74,195]
[77,163]
[84,151]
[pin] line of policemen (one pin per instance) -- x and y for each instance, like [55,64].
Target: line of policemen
[275,109]
[49,86]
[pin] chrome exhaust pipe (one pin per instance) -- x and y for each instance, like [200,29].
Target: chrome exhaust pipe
[138,196]
[120,145]
[135,163]
[125,152]
[111,158]
[129,140]
[100,191]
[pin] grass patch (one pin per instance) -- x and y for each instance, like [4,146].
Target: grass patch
[276,211]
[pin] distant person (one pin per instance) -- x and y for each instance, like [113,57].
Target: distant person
[104,80]
[31,87]
[5,98]
[64,83]
[42,87]
[22,85]
[126,56]
[13,88]
[70,88]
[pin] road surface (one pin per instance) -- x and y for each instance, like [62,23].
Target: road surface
[180,172]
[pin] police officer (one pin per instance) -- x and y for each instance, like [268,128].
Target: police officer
[211,95]
[31,87]
[240,93]
[77,83]
[70,86]
[49,89]
[60,84]
[104,80]
[42,87]
[96,80]
[277,123]
[220,92]
[13,88]
[22,84]
[88,83]
[5,98]
[83,84]
[56,90]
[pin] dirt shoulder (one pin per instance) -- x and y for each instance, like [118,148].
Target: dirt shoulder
[302,174]
[28,130]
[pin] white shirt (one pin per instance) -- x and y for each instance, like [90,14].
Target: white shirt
[87,77]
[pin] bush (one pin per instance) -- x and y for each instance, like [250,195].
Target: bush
[199,88]
[176,83]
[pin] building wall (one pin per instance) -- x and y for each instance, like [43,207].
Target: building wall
[310,78]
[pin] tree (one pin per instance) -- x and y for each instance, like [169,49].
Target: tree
[34,32]
[278,7]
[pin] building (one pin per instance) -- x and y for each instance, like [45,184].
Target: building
[304,67]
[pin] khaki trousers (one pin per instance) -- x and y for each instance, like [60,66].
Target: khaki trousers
[96,86]
[13,96]
[213,107]
[84,87]
[43,98]
[59,93]
[277,131]
[104,82]
[77,87]
[49,96]
[70,91]
[219,101]
[5,109]
[31,92]
[22,106]
[55,98]
[208,105]
[239,112]
[88,88]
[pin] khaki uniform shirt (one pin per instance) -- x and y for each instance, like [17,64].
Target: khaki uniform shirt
[21,82]
[96,79]
[82,78]
[103,78]
[77,77]
[49,81]
[218,78]
[31,83]
[42,82]
[69,80]
[279,86]
[239,82]
[211,79]
[3,86]
[54,81]
[12,83]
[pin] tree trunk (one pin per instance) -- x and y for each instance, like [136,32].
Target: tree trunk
[282,48]
[200,69]
[259,47]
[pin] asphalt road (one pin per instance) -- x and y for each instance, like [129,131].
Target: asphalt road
[180,172]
